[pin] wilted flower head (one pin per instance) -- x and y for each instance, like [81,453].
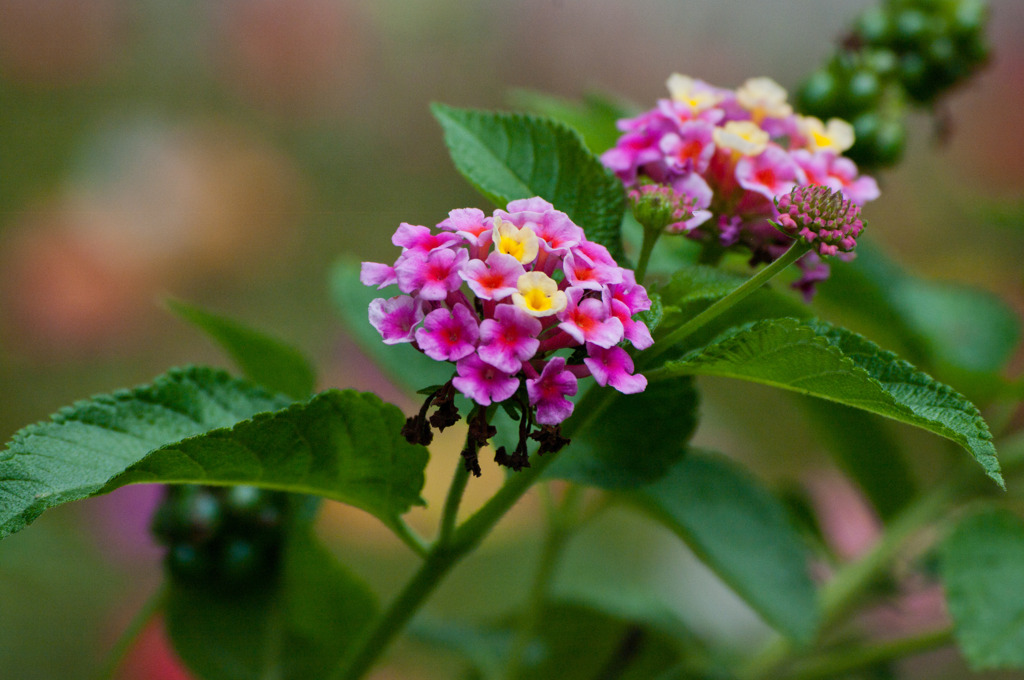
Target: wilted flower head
[733,154]
[521,304]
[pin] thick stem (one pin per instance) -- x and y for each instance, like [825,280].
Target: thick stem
[795,252]
[442,557]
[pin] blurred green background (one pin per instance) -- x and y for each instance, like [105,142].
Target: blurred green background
[227,152]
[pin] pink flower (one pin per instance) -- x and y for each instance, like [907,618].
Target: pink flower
[589,320]
[448,335]
[421,239]
[691,149]
[771,174]
[509,339]
[432,275]
[636,332]
[469,223]
[583,272]
[482,382]
[553,227]
[548,392]
[395,318]
[494,279]
[613,366]
[376,274]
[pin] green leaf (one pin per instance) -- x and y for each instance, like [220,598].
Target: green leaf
[512,156]
[867,450]
[193,426]
[75,454]
[402,364]
[295,628]
[264,360]
[635,440]
[821,360]
[742,532]
[594,117]
[342,445]
[982,567]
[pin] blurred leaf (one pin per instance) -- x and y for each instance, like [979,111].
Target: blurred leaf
[401,363]
[635,440]
[512,156]
[821,360]
[742,532]
[264,360]
[594,117]
[342,445]
[966,327]
[573,643]
[983,571]
[295,628]
[74,454]
[866,449]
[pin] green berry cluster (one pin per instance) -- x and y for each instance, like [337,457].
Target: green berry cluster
[221,536]
[900,52]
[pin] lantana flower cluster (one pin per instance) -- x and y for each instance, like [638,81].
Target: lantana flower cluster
[523,306]
[732,153]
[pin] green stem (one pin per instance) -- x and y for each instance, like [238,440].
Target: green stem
[795,252]
[442,557]
[651,237]
[846,661]
[560,526]
[150,608]
[452,502]
[850,582]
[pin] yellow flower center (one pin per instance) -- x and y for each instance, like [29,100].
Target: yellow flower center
[536,300]
[538,295]
[521,244]
[512,247]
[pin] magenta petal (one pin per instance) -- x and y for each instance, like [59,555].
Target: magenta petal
[448,335]
[376,274]
[549,390]
[482,382]
[509,339]
[614,367]
[395,318]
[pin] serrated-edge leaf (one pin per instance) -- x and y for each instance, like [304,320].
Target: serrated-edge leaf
[342,445]
[982,567]
[509,156]
[83,445]
[870,378]
[264,360]
[710,502]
